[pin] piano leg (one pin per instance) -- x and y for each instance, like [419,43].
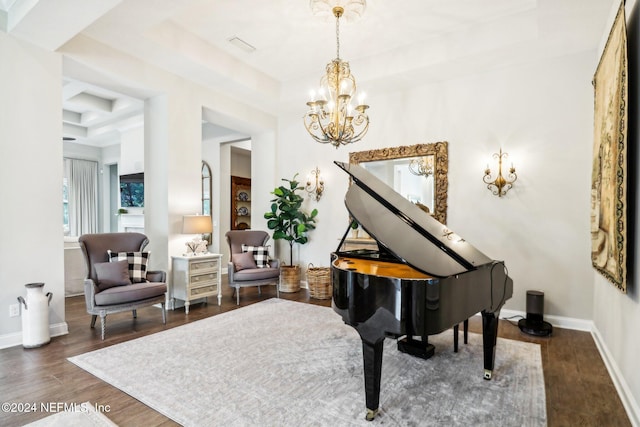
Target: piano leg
[466,331]
[456,329]
[489,339]
[455,338]
[372,356]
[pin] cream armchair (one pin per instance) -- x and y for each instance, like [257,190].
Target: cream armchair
[123,284]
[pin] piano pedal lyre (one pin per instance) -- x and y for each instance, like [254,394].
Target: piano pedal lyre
[415,347]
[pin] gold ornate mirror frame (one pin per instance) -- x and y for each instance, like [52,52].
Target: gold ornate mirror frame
[439,150]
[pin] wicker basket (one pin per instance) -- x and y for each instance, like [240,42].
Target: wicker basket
[319,280]
[289,278]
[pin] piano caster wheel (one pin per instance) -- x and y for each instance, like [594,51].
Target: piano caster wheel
[487,374]
[371,414]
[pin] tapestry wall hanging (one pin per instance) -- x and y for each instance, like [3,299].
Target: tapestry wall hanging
[609,169]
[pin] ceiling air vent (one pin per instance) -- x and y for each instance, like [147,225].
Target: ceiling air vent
[241,44]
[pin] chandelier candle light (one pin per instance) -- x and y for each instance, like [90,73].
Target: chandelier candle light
[331,118]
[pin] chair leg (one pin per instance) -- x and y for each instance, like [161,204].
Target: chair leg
[103,324]
[237,296]
[164,314]
[259,290]
[93,321]
[135,314]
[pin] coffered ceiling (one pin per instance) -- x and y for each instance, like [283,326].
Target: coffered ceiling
[394,45]
[95,116]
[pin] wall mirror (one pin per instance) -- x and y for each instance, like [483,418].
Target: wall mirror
[418,172]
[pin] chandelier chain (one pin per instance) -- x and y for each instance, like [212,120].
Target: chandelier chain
[337,36]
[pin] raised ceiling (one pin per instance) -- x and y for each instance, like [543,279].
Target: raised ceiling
[395,44]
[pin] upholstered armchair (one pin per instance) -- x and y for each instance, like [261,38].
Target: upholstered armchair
[117,277]
[249,263]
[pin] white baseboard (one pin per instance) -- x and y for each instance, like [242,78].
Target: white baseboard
[559,321]
[14,339]
[628,401]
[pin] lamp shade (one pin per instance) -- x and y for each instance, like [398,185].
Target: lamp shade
[196,224]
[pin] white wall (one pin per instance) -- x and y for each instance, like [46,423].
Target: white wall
[31,242]
[211,155]
[132,151]
[540,114]
[616,315]
[241,163]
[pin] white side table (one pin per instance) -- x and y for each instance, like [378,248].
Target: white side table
[195,277]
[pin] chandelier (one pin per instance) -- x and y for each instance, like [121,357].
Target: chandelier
[422,166]
[331,117]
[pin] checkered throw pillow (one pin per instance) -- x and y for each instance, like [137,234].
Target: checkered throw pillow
[260,254]
[137,264]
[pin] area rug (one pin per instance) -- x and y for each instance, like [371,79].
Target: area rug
[83,415]
[284,363]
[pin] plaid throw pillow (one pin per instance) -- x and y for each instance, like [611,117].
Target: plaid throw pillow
[137,263]
[260,255]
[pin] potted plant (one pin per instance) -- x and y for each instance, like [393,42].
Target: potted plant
[290,223]
[355,228]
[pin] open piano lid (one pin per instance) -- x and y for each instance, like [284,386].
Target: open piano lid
[405,230]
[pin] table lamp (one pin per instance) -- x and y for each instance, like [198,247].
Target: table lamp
[196,224]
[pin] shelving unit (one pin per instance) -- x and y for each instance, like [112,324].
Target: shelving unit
[240,203]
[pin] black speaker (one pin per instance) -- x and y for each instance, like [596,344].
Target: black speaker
[534,323]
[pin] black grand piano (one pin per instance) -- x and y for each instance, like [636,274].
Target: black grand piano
[422,280]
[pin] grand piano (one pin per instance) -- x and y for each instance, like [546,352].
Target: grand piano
[422,280]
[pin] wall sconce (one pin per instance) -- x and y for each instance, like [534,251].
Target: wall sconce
[422,166]
[315,189]
[197,224]
[500,185]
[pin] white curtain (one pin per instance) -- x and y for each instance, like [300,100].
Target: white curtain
[82,179]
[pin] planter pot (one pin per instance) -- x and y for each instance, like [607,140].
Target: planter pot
[289,278]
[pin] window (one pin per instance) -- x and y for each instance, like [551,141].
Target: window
[206,188]
[65,205]
[79,197]
[206,195]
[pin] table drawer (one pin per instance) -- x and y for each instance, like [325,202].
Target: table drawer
[197,279]
[204,265]
[210,289]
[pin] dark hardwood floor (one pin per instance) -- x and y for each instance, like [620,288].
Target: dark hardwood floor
[579,391]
